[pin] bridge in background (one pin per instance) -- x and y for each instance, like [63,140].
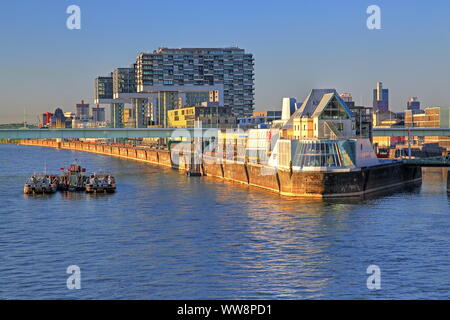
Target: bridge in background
[133,133]
[107,133]
[429,162]
[413,132]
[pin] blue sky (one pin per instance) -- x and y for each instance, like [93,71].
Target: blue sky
[297,45]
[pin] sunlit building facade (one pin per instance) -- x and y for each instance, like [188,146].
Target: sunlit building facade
[200,70]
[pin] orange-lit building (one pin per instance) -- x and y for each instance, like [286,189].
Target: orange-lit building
[434,117]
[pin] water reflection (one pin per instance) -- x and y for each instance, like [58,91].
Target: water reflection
[434,180]
[167,236]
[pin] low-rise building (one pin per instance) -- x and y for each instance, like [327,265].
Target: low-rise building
[387,119]
[210,115]
[433,117]
[259,119]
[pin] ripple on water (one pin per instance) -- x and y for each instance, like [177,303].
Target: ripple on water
[167,236]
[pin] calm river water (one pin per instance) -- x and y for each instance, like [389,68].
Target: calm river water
[167,236]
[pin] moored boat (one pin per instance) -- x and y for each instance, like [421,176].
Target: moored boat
[73,179]
[98,183]
[40,184]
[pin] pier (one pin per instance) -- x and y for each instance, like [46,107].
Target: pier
[284,181]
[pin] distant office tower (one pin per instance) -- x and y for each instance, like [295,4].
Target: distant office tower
[380,98]
[82,111]
[413,104]
[58,119]
[194,70]
[288,108]
[46,119]
[98,114]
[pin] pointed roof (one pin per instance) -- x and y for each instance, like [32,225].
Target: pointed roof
[314,104]
[312,101]
[322,104]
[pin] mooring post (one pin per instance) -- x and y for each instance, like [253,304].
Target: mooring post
[194,166]
[409,143]
[448,180]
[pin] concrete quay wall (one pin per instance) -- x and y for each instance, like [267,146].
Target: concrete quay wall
[159,157]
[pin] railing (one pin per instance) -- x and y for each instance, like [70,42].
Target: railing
[430,162]
[414,132]
[334,131]
[107,133]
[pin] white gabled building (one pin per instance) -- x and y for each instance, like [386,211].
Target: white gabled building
[321,136]
[323,115]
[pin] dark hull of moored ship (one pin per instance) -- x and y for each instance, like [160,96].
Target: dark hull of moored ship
[326,184]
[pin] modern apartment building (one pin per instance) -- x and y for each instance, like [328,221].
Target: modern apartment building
[197,70]
[103,87]
[108,88]
[124,81]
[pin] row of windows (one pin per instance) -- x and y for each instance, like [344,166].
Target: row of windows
[318,154]
[340,127]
